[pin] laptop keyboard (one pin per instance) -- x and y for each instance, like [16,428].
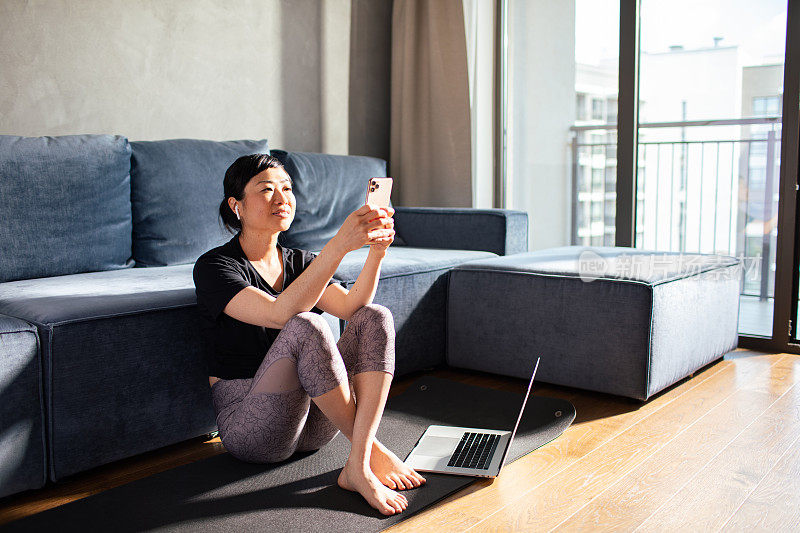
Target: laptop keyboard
[474,451]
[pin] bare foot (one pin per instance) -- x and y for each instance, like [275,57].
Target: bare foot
[365,483]
[391,471]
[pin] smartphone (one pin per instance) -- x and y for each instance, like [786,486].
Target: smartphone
[378,192]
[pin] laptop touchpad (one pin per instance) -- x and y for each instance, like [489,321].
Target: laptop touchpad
[437,446]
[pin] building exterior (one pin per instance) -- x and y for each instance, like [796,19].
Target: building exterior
[696,185]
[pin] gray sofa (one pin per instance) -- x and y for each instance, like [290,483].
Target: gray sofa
[100,351]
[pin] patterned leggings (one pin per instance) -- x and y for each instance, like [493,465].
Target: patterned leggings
[268,417]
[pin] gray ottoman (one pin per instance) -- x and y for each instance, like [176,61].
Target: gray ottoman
[615,320]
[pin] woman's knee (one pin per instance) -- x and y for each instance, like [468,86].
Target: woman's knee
[308,323]
[376,314]
[373,326]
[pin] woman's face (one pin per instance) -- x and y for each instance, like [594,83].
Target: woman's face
[268,203]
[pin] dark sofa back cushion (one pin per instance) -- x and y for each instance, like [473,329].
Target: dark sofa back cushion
[176,189]
[327,189]
[64,205]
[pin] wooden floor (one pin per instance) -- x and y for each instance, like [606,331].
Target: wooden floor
[717,451]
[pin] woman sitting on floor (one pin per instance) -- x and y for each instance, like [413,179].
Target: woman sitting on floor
[279,381]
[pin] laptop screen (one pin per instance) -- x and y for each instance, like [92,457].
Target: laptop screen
[525,401]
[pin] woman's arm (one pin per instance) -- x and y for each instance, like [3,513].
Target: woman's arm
[342,303]
[255,306]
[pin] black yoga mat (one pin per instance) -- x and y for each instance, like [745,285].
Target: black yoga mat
[300,494]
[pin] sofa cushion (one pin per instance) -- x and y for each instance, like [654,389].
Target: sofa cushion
[176,189]
[65,205]
[607,262]
[62,299]
[81,297]
[22,441]
[327,189]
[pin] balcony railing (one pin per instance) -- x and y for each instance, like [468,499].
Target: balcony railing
[698,195]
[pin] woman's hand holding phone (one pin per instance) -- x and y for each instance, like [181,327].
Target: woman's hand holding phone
[383,237]
[379,191]
[371,224]
[367,225]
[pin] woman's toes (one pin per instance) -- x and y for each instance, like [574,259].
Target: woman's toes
[404,504]
[410,482]
[396,505]
[403,481]
[400,482]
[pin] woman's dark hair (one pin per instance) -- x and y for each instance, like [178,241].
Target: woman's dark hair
[237,177]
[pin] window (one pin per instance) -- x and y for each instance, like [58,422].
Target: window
[580,106]
[611,108]
[611,178]
[582,214]
[597,211]
[597,179]
[699,182]
[766,106]
[610,213]
[597,109]
[583,181]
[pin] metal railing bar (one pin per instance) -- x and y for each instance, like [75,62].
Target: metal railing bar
[700,210]
[747,202]
[766,240]
[575,191]
[658,173]
[671,194]
[685,183]
[644,190]
[716,200]
[731,203]
[687,124]
[603,196]
[712,141]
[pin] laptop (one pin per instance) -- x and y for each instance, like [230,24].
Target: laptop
[465,451]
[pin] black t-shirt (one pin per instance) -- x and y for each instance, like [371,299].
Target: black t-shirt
[235,349]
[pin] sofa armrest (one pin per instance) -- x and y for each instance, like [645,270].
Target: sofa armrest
[502,231]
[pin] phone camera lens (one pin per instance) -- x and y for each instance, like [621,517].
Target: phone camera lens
[377,185]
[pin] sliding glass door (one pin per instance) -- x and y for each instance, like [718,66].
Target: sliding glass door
[709,134]
[665,126]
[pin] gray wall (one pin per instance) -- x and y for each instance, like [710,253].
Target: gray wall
[156,69]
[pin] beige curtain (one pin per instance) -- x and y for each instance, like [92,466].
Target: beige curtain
[430,156]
